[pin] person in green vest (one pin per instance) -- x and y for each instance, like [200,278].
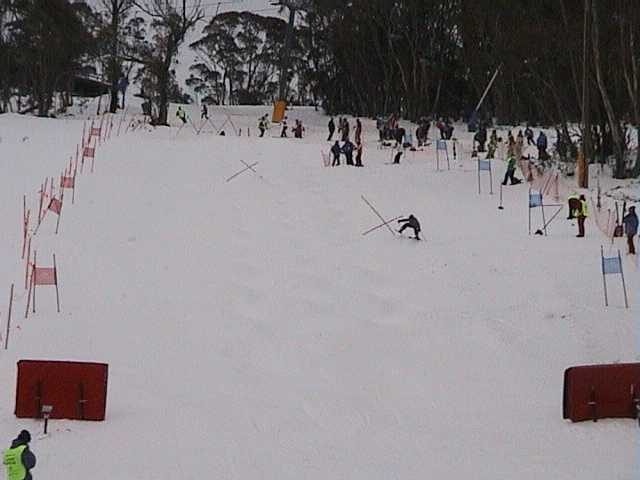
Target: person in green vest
[511,170]
[574,204]
[19,459]
[181,115]
[581,214]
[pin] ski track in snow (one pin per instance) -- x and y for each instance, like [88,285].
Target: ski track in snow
[253,332]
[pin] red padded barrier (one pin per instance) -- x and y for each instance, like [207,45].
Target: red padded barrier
[601,391]
[76,390]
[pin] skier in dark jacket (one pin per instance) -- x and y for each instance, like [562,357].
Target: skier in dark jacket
[345,130]
[541,143]
[347,149]
[630,221]
[332,129]
[336,151]
[528,133]
[481,138]
[358,130]
[283,134]
[204,112]
[359,149]
[19,459]
[410,222]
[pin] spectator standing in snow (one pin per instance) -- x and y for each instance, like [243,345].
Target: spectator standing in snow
[410,222]
[358,131]
[332,129]
[380,127]
[541,143]
[630,222]
[262,126]
[441,127]
[345,130]
[448,130]
[298,129]
[581,214]
[19,459]
[347,149]
[481,138]
[283,133]
[336,151]
[359,153]
[204,112]
[528,133]
[573,201]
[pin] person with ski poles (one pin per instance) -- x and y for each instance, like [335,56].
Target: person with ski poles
[410,222]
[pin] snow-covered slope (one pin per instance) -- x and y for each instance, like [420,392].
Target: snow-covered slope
[253,332]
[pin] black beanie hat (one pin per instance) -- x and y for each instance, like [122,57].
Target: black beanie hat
[24,436]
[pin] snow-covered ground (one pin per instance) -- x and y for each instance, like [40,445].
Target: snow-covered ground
[253,332]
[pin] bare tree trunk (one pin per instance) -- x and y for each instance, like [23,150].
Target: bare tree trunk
[614,124]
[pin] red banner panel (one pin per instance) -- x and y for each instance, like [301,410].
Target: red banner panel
[601,391]
[75,390]
[55,206]
[68,182]
[44,276]
[89,152]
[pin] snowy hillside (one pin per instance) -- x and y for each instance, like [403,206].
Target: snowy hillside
[252,332]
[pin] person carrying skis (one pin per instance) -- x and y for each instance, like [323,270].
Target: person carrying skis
[630,221]
[332,129]
[181,115]
[410,222]
[19,459]
[336,151]
[581,214]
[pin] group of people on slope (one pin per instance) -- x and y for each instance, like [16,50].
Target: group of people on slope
[298,129]
[480,140]
[579,210]
[344,129]
[347,148]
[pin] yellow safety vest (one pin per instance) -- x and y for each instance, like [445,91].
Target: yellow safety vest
[12,459]
[583,211]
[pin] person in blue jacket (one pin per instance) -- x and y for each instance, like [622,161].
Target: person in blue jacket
[541,143]
[347,149]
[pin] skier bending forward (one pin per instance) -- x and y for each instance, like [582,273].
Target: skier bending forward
[410,222]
